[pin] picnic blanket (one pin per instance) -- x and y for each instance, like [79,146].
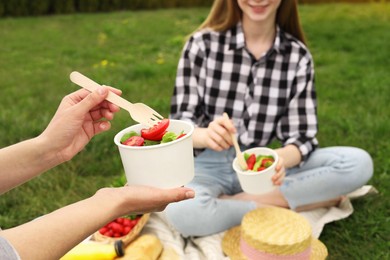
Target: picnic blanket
[209,247]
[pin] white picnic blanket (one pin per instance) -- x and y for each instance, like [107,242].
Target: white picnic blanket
[209,247]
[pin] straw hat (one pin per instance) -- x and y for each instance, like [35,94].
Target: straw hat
[272,233]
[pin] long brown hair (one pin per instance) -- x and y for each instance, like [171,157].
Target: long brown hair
[225,14]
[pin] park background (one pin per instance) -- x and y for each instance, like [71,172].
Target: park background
[137,50]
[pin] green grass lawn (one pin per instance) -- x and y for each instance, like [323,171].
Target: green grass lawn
[138,52]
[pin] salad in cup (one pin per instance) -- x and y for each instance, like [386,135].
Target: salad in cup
[257,178]
[160,156]
[154,135]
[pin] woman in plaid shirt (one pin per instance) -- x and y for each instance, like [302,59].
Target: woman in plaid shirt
[249,59]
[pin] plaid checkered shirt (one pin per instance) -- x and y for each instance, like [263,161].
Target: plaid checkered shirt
[267,98]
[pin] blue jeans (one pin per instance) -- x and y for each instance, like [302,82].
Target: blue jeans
[327,174]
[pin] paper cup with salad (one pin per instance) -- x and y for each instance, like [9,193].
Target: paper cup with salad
[261,163]
[160,156]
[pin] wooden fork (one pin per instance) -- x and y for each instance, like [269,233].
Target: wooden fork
[239,154]
[140,112]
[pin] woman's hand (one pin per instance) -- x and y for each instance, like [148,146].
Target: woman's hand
[217,136]
[142,199]
[80,116]
[278,177]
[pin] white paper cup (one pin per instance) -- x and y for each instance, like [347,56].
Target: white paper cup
[257,182]
[166,166]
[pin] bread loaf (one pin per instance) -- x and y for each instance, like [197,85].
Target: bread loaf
[169,254]
[145,247]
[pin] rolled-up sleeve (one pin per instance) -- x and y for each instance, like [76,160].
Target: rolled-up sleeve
[7,251]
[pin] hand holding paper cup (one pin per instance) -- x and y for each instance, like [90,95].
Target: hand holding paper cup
[257,182]
[166,165]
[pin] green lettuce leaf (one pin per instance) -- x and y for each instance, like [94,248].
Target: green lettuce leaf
[168,137]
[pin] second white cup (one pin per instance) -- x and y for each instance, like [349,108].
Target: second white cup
[257,182]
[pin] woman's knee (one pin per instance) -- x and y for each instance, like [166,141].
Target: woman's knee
[357,166]
[187,217]
[364,165]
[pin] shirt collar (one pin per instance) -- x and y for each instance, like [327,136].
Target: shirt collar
[237,39]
